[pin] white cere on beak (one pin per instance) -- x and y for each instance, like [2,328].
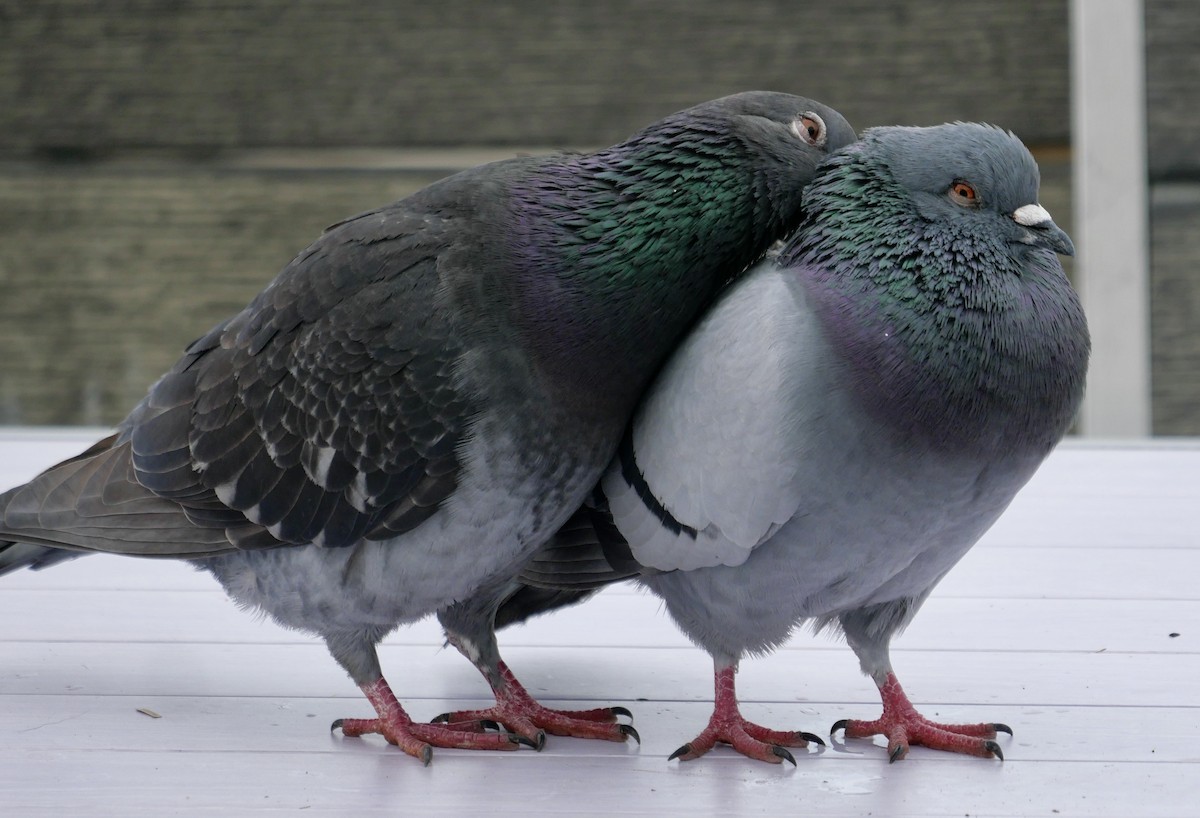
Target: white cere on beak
[1031,215]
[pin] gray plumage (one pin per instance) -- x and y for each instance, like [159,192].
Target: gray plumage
[425,394]
[847,421]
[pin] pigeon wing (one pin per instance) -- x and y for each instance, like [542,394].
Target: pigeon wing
[707,471]
[325,412]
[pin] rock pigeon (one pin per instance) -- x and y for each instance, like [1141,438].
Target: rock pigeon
[427,392]
[844,424]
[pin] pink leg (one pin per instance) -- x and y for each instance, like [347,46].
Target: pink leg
[521,713]
[728,726]
[418,740]
[903,725]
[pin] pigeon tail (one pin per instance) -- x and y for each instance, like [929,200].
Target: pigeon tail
[585,555]
[17,555]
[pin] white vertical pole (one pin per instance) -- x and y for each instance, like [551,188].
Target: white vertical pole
[1108,134]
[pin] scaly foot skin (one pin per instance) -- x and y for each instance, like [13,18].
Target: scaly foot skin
[520,713]
[903,726]
[751,740]
[418,740]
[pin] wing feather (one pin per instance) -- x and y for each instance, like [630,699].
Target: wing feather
[708,472]
[324,412]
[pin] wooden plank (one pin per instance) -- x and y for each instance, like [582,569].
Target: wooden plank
[1081,468]
[991,570]
[1078,468]
[78,77]
[152,259]
[198,724]
[1096,522]
[1137,572]
[1175,291]
[1068,643]
[1172,87]
[155,256]
[1149,497]
[375,780]
[660,674]
[625,619]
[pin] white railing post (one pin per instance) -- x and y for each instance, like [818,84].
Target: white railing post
[1108,136]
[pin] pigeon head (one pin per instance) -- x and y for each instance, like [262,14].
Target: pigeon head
[781,138]
[934,272]
[727,175]
[966,171]
[615,252]
[757,150]
[912,208]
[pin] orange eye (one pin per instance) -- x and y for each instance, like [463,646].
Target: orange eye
[963,193]
[811,128]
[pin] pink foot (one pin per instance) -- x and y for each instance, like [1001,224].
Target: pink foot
[749,739]
[418,740]
[524,716]
[903,725]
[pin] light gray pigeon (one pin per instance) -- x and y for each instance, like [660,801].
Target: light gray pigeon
[426,393]
[844,424]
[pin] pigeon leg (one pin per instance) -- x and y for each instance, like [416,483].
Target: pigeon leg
[418,740]
[469,628]
[355,652]
[904,726]
[522,714]
[727,725]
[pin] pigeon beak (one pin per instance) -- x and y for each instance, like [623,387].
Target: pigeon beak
[1041,229]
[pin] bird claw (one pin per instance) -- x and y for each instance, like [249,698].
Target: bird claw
[783,753]
[902,735]
[473,725]
[747,738]
[903,726]
[681,752]
[521,714]
[538,742]
[812,737]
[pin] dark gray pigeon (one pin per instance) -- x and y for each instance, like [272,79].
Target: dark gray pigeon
[425,394]
[844,424]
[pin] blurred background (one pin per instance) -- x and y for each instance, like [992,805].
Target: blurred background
[161,161]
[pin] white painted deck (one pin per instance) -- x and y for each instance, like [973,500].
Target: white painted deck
[1076,621]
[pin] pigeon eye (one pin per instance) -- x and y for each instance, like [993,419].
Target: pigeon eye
[963,193]
[810,128]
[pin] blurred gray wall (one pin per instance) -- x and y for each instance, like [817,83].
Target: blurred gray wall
[1173,110]
[160,161]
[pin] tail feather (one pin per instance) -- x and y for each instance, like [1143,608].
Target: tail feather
[528,601]
[17,555]
[586,554]
[94,502]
